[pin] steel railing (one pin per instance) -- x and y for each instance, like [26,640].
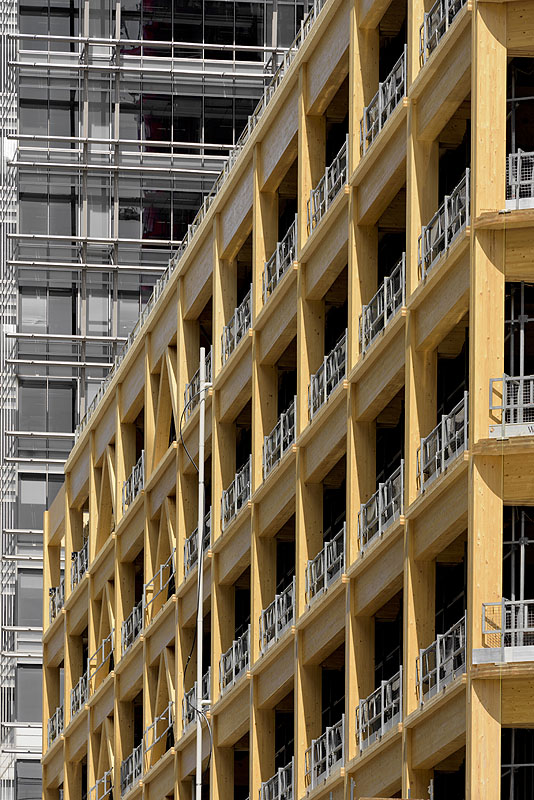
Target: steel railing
[79,695]
[103,787]
[159,731]
[379,712]
[280,786]
[132,769]
[132,627]
[331,372]
[332,182]
[282,258]
[509,623]
[442,661]
[448,222]
[97,663]
[189,702]
[443,444]
[237,327]
[191,545]
[277,617]
[237,495]
[54,726]
[520,179]
[325,754]
[56,600]
[436,23]
[382,509]
[235,662]
[383,104]
[384,305]
[134,484]
[515,401]
[327,565]
[192,389]
[279,439]
[79,564]
[157,590]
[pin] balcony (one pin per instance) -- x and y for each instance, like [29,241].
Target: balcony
[103,787]
[279,440]
[56,600]
[79,563]
[280,786]
[331,372]
[277,617]
[513,399]
[436,23]
[191,545]
[326,567]
[237,327]
[507,627]
[325,755]
[159,735]
[235,662]
[383,104]
[324,194]
[379,312]
[441,662]
[134,484]
[131,627]
[382,509]
[189,703]
[237,495]
[157,590]
[192,389]
[55,725]
[79,695]
[379,712]
[132,769]
[448,222]
[100,663]
[443,445]
[282,258]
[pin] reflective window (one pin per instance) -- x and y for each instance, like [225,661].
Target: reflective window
[31,501]
[29,695]
[29,597]
[32,309]
[32,405]
[27,780]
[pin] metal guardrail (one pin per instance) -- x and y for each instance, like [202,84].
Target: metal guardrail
[383,306]
[237,327]
[515,401]
[132,627]
[192,389]
[331,372]
[277,617]
[520,179]
[191,545]
[383,104]
[132,769]
[97,663]
[79,564]
[159,730]
[436,23]
[56,600]
[79,695]
[379,712]
[189,702]
[332,182]
[382,509]
[280,439]
[134,484]
[280,786]
[235,662]
[442,661]
[284,255]
[155,590]
[325,754]
[450,219]
[509,623]
[443,444]
[237,495]
[54,726]
[327,565]
[103,787]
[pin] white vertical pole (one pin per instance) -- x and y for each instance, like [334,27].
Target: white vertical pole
[200,560]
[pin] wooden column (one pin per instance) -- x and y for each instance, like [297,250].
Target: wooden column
[311,154]
[264,230]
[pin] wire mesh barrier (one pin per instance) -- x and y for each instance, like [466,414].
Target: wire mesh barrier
[100,663]
[383,306]
[158,736]
[383,104]
[192,389]
[520,180]
[280,786]
[131,627]
[379,712]
[284,255]
[191,545]
[79,695]
[382,509]
[279,440]
[509,623]
[237,495]
[103,787]
[436,23]
[132,769]
[54,727]
[135,483]
[237,327]
[332,182]
[450,219]
[277,617]
[325,754]
[189,702]
[159,589]
[235,662]
[79,564]
[513,398]
[56,600]
[443,444]
[441,662]
[331,372]
[327,566]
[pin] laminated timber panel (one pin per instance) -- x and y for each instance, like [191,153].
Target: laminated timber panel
[519,28]
[236,216]
[370,12]
[233,713]
[517,708]
[234,383]
[330,62]
[442,515]
[104,571]
[197,281]
[77,609]
[328,259]
[165,484]
[54,645]
[105,430]
[188,596]
[322,630]
[380,572]
[101,702]
[191,436]
[77,736]
[233,549]
[440,727]
[187,754]
[56,515]
[158,782]
[518,243]
[129,672]
[325,439]
[444,305]
[279,146]
[53,767]
[276,325]
[161,631]
[79,477]
[132,389]
[163,331]
[379,770]
[380,376]
[274,503]
[274,674]
[518,478]
[130,534]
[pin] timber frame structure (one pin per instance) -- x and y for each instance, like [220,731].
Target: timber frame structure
[120,594]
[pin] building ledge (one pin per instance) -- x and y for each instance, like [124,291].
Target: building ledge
[503,655]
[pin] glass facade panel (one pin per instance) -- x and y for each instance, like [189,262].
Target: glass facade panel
[29,694]
[29,598]
[28,780]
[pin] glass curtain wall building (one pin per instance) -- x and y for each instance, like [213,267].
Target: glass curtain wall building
[116,119]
